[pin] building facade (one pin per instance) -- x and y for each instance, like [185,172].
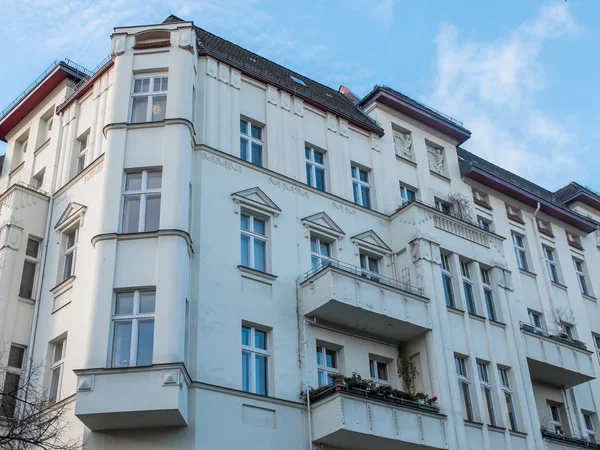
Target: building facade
[197,243]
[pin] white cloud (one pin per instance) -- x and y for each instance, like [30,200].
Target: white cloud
[493,88]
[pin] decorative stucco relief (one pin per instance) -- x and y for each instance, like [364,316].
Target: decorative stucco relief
[211,68]
[222,162]
[403,145]
[344,208]
[288,187]
[58,200]
[298,107]
[272,95]
[286,102]
[331,123]
[436,159]
[93,172]
[224,73]
[236,79]
[344,131]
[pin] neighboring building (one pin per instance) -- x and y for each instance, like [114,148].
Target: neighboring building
[192,235]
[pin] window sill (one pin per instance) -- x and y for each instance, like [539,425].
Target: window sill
[498,324]
[63,286]
[477,317]
[454,310]
[589,297]
[496,428]
[41,147]
[406,160]
[516,219]
[472,423]
[440,176]
[558,285]
[257,274]
[27,300]
[483,204]
[528,273]
[518,433]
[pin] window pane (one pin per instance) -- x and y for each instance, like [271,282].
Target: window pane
[139,109]
[243,127]
[133,181]
[152,212]
[245,336]
[80,163]
[319,355]
[324,249]
[131,214]
[256,132]
[259,226]
[366,200]
[68,269]
[309,177]
[27,279]
[15,356]
[382,371]
[10,393]
[245,244]
[145,342]
[154,180]
[32,248]
[331,356]
[147,302]
[319,158]
[356,190]
[244,149]
[260,339]
[314,261]
[467,411]
[58,351]
[364,176]
[261,374]
[121,343]
[245,222]
[324,379]
[159,107]
[124,303]
[246,371]
[137,86]
[54,384]
[259,255]
[71,239]
[320,179]
[256,154]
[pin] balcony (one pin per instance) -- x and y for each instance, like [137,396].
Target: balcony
[133,397]
[362,302]
[355,419]
[570,440]
[556,359]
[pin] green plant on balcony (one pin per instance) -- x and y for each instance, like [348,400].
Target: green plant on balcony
[406,369]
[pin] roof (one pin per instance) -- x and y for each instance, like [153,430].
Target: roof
[270,72]
[514,186]
[419,111]
[575,191]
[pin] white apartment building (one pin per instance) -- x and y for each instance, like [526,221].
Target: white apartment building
[193,238]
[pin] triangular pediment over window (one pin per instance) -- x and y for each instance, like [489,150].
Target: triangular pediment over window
[74,212]
[255,198]
[321,222]
[371,241]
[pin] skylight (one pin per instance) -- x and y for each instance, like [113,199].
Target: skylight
[297,80]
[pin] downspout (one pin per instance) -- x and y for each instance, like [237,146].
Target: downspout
[40,280]
[306,388]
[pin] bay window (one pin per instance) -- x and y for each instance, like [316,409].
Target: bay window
[141,201]
[149,99]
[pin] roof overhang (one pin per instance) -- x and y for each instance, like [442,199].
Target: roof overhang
[419,114]
[510,190]
[586,198]
[37,94]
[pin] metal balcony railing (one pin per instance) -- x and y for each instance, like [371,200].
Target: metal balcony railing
[573,439]
[39,79]
[325,264]
[86,79]
[559,336]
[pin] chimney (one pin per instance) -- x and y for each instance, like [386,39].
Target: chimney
[351,96]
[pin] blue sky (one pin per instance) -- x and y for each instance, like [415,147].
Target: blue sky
[522,76]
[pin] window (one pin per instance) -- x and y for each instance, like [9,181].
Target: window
[488,294]
[535,318]
[30,267]
[58,352]
[12,380]
[370,267]
[597,344]
[149,99]
[551,264]
[141,201]
[315,168]
[468,287]
[379,371]
[361,187]
[327,363]
[38,179]
[70,253]
[255,360]
[443,206]
[520,252]
[320,252]
[254,242]
[407,196]
[484,224]
[555,419]
[486,391]
[581,272]
[567,329]
[133,328]
[464,388]
[83,147]
[508,400]
[447,281]
[589,426]
[251,142]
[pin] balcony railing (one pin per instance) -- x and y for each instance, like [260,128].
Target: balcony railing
[572,439]
[86,79]
[556,335]
[363,273]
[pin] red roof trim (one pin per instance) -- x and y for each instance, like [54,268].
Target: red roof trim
[85,88]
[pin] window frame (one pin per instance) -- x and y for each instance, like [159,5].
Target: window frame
[505,386]
[374,371]
[254,352]
[57,365]
[35,260]
[551,263]
[589,426]
[324,368]
[317,255]
[313,166]
[252,140]
[143,193]
[464,387]
[16,372]
[488,294]
[365,266]
[442,206]
[487,392]
[468,289]
[252,237]
[135,317]
[447,280]
[405,195]
[556,423]
[582,276]
[484,223]
[150,94]
[520,250]
[358,185]
[82,153]
[69,251]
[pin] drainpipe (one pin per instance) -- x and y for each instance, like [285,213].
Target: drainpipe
[306,389]
[40,280]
